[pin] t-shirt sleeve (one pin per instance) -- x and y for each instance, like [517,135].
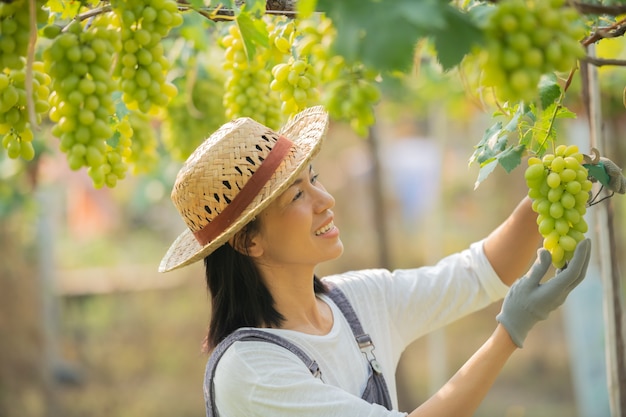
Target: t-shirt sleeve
[262,379]
[419,300]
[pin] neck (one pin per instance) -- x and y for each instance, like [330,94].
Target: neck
[295,299]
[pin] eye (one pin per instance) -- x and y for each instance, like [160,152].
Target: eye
[314,178]
[297,196]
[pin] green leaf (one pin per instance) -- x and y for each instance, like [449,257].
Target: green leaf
[493,142]
[511,157]
[565,113]
[305,8]
[120,108]
[457,39]
[255,8]
[549,90]
[485,170]
[383,35]
[253,33]
[67,9]
[542,136]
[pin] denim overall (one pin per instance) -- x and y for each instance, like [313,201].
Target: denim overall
[375,391]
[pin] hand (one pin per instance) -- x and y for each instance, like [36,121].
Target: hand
[617,182]
[529,301]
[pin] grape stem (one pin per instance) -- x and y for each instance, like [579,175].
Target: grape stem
[32,39]
[553,118]
[192,77]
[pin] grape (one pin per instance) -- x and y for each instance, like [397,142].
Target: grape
[81,99]
[526,40]
[204,97]
[143,155]
[350,89]
[248,92]
[296,82]
[142,66]
[15,31]
[15,129]
[559,187]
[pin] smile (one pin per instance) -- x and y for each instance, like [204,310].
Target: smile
[325,229]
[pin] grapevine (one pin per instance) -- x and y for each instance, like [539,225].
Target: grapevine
[559,187]
[526,39]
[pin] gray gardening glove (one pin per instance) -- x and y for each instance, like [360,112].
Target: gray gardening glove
[529,301]
[605,171]
[617,182]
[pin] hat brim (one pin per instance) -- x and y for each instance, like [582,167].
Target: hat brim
[306,130]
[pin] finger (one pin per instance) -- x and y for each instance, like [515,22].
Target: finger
[575,271]
[540,267]
[586,256]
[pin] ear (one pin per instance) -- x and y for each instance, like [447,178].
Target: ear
[252,247]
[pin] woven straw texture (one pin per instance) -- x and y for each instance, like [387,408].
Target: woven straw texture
[221,166]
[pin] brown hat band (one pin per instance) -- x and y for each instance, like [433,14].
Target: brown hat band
[245,196]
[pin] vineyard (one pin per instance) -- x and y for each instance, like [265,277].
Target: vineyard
[117,86]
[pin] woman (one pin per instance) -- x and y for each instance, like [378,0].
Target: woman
[285,342]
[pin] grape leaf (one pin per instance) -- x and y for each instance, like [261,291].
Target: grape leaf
[453,45]
[253,32]
[549,90]
[485,170]
[511,157]
[380,34]
[67,9]
[490,145]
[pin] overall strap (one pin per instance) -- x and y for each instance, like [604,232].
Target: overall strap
[246,334]
[377,390]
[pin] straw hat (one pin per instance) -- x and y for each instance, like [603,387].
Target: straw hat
[233,175]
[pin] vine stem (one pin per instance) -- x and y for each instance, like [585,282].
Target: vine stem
[553,118]
[32,39]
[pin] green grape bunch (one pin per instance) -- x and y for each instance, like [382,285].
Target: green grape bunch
[15,128]
[15,31]
[143,66]
[247,84]
[296,81]
[526,39]
[559,188]
[78,62]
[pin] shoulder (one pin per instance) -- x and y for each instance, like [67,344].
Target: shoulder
[364,280]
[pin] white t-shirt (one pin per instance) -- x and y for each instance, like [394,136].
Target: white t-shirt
[394,307]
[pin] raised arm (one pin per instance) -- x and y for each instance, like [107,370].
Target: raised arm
[512,246]
[528,302]
[464,392]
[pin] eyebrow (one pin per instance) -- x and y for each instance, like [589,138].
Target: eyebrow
[299,180]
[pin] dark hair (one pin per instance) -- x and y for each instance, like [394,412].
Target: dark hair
[239,296]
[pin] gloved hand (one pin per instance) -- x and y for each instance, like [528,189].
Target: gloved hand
[617,182]
[606,171]
[528,301]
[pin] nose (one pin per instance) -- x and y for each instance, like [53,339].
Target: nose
[324,200]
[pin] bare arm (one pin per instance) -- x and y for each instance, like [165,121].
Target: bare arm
[512,246]
[464,392]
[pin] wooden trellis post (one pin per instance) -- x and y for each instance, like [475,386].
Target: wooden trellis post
[605,255]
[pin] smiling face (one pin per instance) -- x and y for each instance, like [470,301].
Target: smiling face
[297,229]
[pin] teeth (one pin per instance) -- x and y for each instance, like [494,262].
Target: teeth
[325,229]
